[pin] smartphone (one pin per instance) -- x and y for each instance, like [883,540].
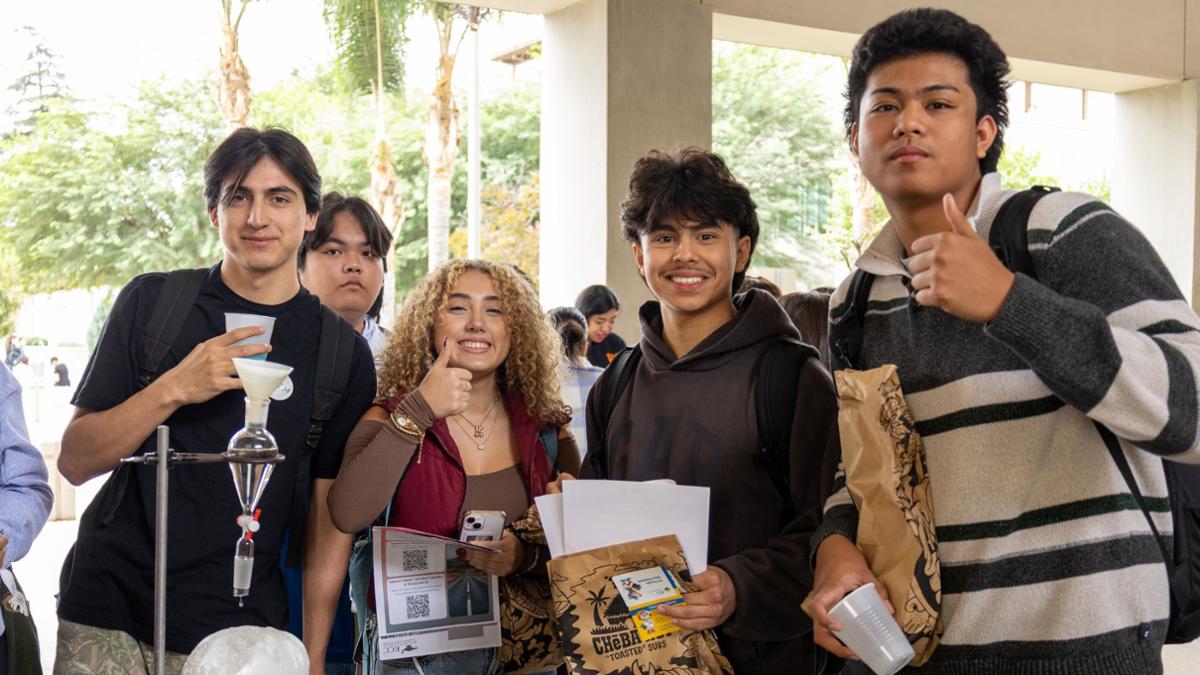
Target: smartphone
[482,525]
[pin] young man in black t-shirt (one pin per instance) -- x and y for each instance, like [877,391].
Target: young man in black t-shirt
[263,193]
[61,377]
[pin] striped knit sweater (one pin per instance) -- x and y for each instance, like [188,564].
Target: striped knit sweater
[1048,566]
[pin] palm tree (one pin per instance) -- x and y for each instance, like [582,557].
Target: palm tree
[233,90]
[441,129]
[597,600]
[369,35]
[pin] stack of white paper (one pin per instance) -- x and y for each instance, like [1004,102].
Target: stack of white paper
[594,513]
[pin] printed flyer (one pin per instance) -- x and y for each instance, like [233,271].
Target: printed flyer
[428,600]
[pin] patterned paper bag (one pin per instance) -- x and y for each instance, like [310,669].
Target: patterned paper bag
[600,636]
[887,477]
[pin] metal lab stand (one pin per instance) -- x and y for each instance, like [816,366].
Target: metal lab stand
[165,458]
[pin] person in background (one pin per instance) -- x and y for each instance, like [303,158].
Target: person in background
[24,373]
[809,312]
[25,501]
[600,307]
[14,349]
[61,377]
[762,284]
[576,374]
[469,385]
[343,261]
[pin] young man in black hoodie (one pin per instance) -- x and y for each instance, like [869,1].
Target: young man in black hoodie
[688,411]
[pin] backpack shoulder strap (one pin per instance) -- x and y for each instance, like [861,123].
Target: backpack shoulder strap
[620,371]
[335,354]
[777,371]
[844,352]
[1009,235]
[549,437]
[175,301]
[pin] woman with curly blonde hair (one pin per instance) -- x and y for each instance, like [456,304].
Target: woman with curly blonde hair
[469,413]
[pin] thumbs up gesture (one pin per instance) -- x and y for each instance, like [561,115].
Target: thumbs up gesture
[444,388]
[958,272]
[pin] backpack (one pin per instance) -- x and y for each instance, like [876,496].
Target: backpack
[774,407]
[1008,238]
[335,352]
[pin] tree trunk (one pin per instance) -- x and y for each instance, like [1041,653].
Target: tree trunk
[385,193]
[441,145]
[233,88]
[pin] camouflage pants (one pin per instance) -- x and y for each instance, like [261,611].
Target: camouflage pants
[87,650]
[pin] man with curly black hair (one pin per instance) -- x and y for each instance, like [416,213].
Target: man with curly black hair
[692,227]
[1027,389]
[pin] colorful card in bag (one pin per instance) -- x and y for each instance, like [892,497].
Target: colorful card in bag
[645,590]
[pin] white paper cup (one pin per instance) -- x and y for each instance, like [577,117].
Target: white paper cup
[233,321]
[871,632]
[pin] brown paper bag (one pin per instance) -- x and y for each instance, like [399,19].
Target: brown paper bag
[598,634]
[886,474]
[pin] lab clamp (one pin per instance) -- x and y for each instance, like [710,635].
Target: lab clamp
[252,454]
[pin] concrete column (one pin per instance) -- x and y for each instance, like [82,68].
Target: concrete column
[1154,182]
[620,78]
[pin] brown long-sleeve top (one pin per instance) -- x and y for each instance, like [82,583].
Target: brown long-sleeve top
[376,455]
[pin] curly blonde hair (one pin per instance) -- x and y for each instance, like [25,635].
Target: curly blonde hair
[531,367]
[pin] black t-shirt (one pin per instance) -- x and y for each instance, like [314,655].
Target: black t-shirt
[60,371]
[598,351]
[108,581]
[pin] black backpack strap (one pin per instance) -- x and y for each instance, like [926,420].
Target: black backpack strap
[1009,235]
[617,377]
[335,353]
[777,372]
[1118,456]
[171,308]
[175,301]
[845,350]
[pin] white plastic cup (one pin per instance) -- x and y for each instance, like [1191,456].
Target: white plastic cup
[233,321]
[871,632]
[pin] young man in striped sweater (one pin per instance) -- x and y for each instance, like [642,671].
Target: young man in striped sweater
[1048,565]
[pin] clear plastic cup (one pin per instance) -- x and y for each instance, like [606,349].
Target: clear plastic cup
[871,632]
[233,321]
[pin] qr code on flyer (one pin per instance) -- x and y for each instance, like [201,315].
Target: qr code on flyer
[415,560]
[417,606]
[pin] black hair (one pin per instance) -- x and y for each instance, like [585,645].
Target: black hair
[751,282]
[572,328]
[809,313]
[936,31]
[694,184]
[379,238]
[244,148]
[595,300]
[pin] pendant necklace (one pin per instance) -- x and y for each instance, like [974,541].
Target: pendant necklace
[479,431]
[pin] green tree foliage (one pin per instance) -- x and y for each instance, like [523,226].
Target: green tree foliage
[83,205]
[509,219]
[352,27]
[41,83]
[769,124]
[1021,168]
[338,129]
[511,138]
